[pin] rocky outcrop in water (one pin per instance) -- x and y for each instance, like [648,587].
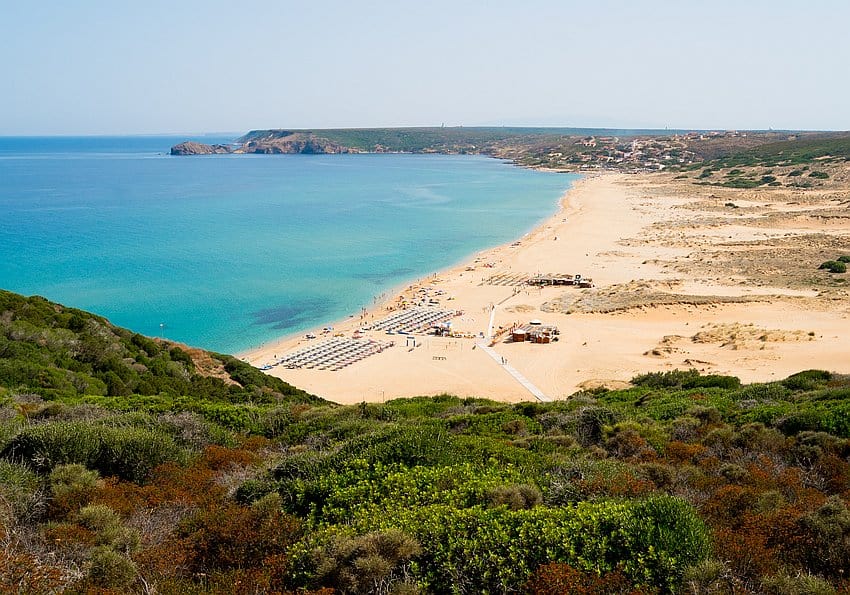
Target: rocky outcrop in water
[193,148]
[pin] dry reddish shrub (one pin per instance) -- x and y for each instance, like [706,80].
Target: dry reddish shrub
[228,536]
[835,473]
[730,505]
[557,578]
[682,452]
[24,573]
[169,482]
[747,552]
[65,535]
[219,458]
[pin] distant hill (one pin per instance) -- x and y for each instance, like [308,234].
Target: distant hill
[56,352]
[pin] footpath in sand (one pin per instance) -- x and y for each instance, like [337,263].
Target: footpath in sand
[681,280]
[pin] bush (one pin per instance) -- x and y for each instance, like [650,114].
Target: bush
[361,563]
[228,536]
[807,380]
[844,258]
[494,550]
[108,569]
[20,492]
[798,584]
[71,486]
[834,266]
[127,452]
[557,578]
[671,379]
[820,175]
[824,536]
[515,497]
[713,381]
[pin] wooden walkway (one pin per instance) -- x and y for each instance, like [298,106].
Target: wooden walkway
[525,382]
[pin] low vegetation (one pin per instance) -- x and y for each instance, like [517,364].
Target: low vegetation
[834,266]
[801,150]
[683,483]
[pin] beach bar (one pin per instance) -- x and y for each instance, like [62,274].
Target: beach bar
[535,332]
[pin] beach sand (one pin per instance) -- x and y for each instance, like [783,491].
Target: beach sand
[682,280]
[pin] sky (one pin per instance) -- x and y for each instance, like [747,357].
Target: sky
[192,66]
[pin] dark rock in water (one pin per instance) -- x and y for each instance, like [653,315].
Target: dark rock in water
[193,148]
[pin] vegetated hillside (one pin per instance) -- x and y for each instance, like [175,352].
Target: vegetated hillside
[817,160]
[58,353]
[805,149]
[683,483]
[434,139]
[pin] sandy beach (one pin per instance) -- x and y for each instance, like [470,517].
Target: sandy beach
[681,280]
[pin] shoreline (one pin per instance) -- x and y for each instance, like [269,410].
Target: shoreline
[285,342]
[680,283]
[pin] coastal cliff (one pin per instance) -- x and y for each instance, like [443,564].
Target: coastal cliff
[294,143]
[278,144]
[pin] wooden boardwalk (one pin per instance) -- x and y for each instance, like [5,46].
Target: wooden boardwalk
[525,382]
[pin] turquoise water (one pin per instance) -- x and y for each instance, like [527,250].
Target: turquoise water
[230,251]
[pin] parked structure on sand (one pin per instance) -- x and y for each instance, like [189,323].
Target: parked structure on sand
[560,279]
[535,332]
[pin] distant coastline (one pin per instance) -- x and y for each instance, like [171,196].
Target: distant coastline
[577,150]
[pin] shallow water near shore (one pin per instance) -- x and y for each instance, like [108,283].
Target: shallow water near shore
[229,251]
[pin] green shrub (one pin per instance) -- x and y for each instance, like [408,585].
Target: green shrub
[834,266]
[108,529]
[108,569]
[844,258]
[825,536]
[820,175]
[796,584]
[713,380]
[670,379]
[20,492]
[127,452]
[807,380]
[496,549]
[71,486]
[772,391]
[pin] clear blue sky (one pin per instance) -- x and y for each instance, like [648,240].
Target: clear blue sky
[102,67]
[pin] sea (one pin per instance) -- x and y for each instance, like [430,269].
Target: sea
[227,252]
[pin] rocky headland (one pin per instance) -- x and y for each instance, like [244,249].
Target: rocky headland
[193,148]
[279,143]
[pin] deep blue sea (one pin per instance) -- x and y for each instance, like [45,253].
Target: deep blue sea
[229,251]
